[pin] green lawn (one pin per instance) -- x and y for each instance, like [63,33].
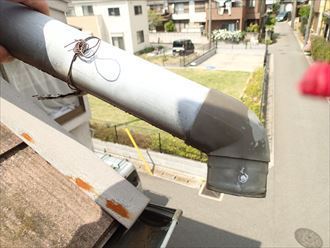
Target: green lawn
[229,82]
[105,116]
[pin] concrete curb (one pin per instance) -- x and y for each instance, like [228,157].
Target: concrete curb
[271,109]
[167,166]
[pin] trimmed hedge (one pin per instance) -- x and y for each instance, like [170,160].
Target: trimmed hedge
[320,49]
[147,139]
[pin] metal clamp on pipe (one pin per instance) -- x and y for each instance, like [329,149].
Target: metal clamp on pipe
[215,123]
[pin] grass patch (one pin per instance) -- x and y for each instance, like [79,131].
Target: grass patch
[320,49]
[253,91]
[229,82]
[107,119]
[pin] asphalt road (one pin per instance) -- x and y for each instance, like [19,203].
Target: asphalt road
[298,184]
[301,136]
[205,222]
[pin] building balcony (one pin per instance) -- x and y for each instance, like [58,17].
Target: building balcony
[180,16]
[236,13]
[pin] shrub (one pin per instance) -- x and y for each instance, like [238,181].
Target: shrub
[254,28]
[169,26]
[146,50]
[304,11]
[253,91]
[147,140]
[271,20]
[320,49]
[224,35]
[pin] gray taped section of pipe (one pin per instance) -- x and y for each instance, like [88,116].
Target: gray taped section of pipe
[226,127]
[27,32]
[236,144]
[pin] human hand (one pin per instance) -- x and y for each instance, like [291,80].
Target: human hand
[39,5]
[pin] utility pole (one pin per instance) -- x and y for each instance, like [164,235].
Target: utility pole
[294,13]
[309,24]
[210,23]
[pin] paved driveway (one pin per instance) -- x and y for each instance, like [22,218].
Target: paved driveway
[236,58]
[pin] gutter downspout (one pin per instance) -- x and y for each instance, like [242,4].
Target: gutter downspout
[217,124]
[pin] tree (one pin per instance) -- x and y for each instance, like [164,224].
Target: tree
[169,26]
[154,19]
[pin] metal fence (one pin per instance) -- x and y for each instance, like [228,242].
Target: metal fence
[145,137]
[187,60]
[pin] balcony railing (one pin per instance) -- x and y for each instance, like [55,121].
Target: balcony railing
[234,14]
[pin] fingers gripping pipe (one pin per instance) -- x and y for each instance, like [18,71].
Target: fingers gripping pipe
[230,134]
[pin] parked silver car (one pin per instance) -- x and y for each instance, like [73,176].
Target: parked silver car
[124,167]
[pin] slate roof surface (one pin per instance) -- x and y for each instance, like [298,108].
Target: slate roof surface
[39,207]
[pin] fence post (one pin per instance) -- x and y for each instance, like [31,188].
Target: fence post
[116,133]
[160,143]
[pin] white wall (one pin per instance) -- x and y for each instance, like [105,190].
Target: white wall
[126,25]
[192,16]
[138,23]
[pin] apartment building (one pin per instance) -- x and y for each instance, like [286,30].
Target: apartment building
[187,15]
[193,15]
[235,14]
[321,20]
[122,23]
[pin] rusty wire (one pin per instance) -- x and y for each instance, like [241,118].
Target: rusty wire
[83,51]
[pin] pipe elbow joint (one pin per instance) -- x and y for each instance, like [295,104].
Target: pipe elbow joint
[236,144]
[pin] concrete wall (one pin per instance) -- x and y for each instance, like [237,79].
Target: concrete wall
[164,37]
[89,24]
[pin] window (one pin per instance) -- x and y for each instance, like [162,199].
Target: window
[140,37]
[138,10]
[118,42]
[113,12]
[37,82]
[229,26]
[199,6]
[157,7]
[87,10]
[251,3]
[70,12]
[181,8]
